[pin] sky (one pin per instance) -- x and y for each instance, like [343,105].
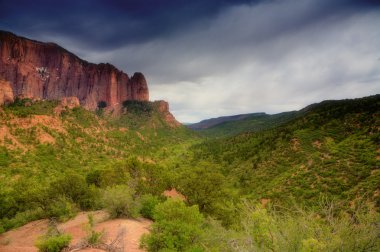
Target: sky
[211,58]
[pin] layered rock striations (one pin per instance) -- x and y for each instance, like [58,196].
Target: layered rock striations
[32,69]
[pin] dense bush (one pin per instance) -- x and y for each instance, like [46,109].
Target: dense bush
[116,175]
[148,203]
[297,230]
[138,107]
[53,240]
[62,209]
[177,227]
[53,243]
[71,185]
[119,201]
[26,107]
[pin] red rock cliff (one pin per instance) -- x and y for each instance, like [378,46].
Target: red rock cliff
[47,71]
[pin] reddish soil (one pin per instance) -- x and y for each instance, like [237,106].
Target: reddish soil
[125,232]
[174,194]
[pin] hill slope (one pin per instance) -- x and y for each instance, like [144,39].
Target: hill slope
[209,123]
[332,150]
[42,143]
[55,162]
[229,126]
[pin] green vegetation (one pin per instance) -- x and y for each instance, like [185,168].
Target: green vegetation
[53,241]
[88,154]
[330,151]
[296,229]
[262,190]
[93,237]
[148,204]
[253,123]
[138,107]
[119,201]
[177,227]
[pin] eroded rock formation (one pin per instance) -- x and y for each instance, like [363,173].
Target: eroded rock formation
[6,92]
[39,70]
[163,107]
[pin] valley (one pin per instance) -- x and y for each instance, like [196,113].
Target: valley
[91,155]
[54,165]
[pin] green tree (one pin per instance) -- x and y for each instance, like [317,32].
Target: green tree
[119,201]
[205,188]
[177,227]
[148,203]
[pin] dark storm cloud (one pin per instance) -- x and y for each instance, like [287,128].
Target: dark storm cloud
[107,24]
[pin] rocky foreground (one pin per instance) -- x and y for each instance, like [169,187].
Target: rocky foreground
[121,234]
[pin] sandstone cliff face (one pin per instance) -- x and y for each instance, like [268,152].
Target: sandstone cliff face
[6,92]
[47,71]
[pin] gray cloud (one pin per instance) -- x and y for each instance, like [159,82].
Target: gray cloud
[259,58]
[270,56]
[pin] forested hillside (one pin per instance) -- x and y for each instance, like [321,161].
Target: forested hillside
[53,161]
[296,183]
[331,150]
[249,123]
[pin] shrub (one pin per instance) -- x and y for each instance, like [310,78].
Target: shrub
[21,218]
[72,186]
[53,240]
[62,208]
[26,107]
[53,243]
[297,230]
[148,203]
[177,227]
[119,201]
[93,237]
[138,107]
[2,229]
[203,187]
[94,177]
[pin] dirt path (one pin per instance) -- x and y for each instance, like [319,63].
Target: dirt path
[128,231]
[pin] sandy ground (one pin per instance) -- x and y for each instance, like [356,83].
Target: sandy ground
[174,194]
[127,232]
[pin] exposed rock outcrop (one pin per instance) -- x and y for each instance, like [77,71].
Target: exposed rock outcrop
[163,107]
[47,71]
[6,92]
[139,88]
[70,102]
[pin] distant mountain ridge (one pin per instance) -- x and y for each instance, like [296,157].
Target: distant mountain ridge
[208,123]
[233,125]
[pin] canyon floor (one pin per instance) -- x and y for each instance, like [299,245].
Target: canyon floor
[124,234]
